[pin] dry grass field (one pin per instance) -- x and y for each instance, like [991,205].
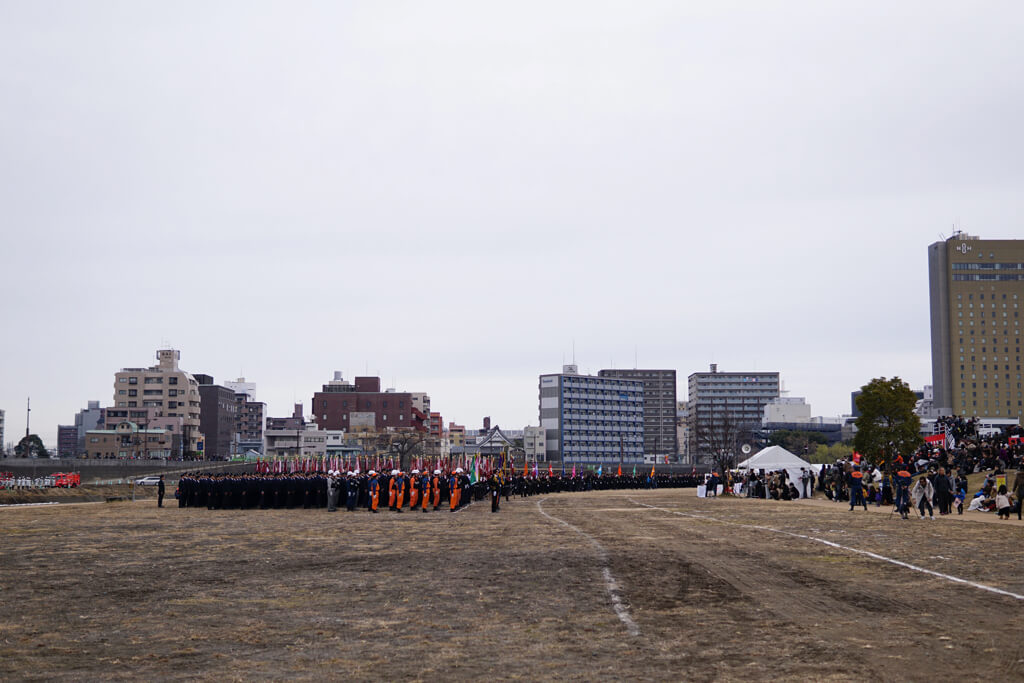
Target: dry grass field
[646,585]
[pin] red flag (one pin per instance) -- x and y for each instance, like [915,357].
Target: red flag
[937,439]
[551,472]
[618,473]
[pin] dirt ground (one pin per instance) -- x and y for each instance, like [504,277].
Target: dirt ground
[591,586]
[79,494]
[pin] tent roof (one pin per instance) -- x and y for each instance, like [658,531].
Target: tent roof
[773,458]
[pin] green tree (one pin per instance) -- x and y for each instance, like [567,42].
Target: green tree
[827,455]
[31,446]
[887,425]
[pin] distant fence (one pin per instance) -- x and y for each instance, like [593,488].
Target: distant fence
[105,471]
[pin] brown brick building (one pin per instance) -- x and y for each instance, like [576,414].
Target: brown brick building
[364,407]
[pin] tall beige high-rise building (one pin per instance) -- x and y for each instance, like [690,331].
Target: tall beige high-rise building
[976,288]
[168,389]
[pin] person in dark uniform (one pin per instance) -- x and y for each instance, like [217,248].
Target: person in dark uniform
[494,488]
[160,492]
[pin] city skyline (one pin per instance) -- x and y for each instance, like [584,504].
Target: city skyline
[459,198]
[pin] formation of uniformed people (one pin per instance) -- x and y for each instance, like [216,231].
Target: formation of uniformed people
[396,490]
[424,491]
[534,486]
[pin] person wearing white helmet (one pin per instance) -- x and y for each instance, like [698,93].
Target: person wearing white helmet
[351,489]
[332,491]
[391,489]
[435,489]
[373,490]
[414,489]
[454,489]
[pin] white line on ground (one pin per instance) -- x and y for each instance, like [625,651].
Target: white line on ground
[467,505]
[27,505]
[610,584]
[831,544]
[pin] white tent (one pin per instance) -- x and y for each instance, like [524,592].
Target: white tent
[776,458]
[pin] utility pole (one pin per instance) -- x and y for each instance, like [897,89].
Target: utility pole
[28,414]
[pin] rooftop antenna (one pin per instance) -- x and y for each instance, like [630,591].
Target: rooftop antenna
[28,413]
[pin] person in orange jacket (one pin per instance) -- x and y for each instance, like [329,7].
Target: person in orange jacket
[391,489]
[373,488]
[414,489]
[425,490]
[399,480]
[455,489]
[435,489]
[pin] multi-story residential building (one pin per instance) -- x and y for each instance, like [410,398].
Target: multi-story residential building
[128,441]
[436,425]
[682,432]
[67,441]
[145,418]
[364,407]
[86,419]
[456,435]
[167,388]
[534,443]
[591,420]
[305,441]
[218,418]
[659,408]
[725,407]
[248,423]
[976,288]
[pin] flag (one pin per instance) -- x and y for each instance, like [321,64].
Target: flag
[534,469]
[600,469]
[634,469]
[574,469]
[619,472]
[526,466]
[551,472]
[652,470]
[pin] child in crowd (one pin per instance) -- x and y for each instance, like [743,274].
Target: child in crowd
[959,500]
[1003,503]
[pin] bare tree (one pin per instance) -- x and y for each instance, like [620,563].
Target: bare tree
[402,445]
[717,438]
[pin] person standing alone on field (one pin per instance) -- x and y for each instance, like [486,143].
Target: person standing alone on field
[160,492]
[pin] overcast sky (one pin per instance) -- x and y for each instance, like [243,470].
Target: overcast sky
[452,194]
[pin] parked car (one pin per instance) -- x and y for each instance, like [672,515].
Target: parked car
[151,480]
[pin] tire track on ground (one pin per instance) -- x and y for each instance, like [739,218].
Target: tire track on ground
[611,585]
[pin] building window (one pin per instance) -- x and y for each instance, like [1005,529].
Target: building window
[133,380]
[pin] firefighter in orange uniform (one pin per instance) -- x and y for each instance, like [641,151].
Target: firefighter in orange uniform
[373,487]
[391,489]
[399,480]
[455,489]
[425,490]
[414,489]
[435,489]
